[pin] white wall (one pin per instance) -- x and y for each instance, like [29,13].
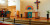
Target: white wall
[44,6]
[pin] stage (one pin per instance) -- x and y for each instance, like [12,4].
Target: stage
[25,21]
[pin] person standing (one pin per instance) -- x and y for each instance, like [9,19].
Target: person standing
[2,13]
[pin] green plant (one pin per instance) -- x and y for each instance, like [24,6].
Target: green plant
[47,12]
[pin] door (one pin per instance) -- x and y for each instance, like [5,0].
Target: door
[29,14]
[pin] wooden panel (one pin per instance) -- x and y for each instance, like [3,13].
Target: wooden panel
[33,14]
[12,9]
[17,13]
[26,14]
[8,15]
[36,15]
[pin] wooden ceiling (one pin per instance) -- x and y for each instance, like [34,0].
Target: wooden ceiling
[11,6]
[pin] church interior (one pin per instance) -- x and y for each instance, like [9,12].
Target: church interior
[24,12]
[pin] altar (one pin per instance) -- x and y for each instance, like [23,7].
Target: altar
[29,14]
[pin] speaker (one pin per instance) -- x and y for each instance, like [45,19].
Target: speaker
[14,20]
[21,15]
[47,16]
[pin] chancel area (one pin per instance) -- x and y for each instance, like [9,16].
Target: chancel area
[37,8]
[25,12]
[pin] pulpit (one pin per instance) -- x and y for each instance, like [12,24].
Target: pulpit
[8,14]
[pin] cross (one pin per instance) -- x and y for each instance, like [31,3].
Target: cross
[37,3]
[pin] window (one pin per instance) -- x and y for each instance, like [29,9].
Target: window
[11,2]
[2,1]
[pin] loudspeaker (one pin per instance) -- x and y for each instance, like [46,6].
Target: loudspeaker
[47,16]
[14,20]
[21,15]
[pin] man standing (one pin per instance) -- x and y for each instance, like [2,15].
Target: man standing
[4,12]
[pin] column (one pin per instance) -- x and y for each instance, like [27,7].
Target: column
[17,6]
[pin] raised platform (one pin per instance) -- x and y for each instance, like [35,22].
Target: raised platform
[27,21]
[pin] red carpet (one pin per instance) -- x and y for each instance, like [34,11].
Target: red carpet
[5,24]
